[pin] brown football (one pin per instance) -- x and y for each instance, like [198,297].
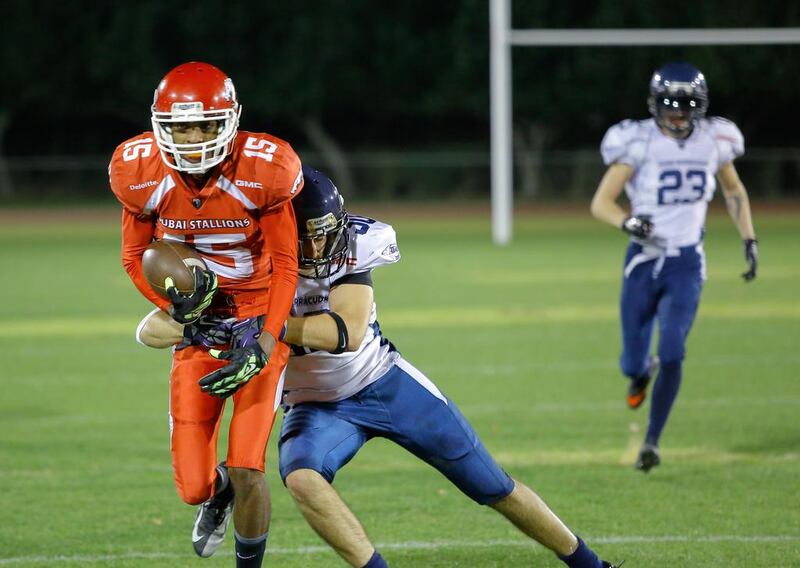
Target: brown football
[170,258]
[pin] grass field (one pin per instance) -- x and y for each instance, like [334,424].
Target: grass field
[523,338]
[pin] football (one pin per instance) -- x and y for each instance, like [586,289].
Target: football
[170,258]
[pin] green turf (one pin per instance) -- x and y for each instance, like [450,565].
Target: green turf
[523,338]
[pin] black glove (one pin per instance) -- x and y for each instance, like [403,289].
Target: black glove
[187,308]
[207,332]
[751,256]
[246,332]
[245,363]
[639,226]
[211,331]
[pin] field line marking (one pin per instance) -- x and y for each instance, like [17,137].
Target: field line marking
[443,317]
[410,545]
[631,451]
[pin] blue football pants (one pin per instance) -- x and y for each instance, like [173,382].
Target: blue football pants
[403,406]
[667,290]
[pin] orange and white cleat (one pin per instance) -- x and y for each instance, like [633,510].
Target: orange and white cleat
[637,390]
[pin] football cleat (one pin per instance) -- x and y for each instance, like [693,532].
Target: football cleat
[609,565]
[213,516]
[637,390]
[648,457]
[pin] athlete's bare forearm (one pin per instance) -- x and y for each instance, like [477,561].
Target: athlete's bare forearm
[159,330]
[604,203]
[737,201]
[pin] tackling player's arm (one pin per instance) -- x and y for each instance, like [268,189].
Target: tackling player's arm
[352,303]
[159,330]
[604,203]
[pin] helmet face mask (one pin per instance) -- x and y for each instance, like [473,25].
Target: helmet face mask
[322,226]
[195,95]
[323,247]
[678,98]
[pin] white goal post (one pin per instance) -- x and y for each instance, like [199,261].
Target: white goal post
[502,38]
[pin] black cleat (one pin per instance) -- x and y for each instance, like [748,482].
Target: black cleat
[648,457]
[637,390]
[211,522]
[609,565]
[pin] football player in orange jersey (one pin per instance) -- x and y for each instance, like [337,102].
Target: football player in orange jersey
[346,384]
[196,178]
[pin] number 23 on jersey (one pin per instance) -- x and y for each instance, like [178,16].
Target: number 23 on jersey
[681,186]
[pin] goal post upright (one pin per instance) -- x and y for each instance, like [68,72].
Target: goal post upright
[501,39]
[500,118]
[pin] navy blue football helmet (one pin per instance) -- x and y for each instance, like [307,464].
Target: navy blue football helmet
[678,97]
[321,226]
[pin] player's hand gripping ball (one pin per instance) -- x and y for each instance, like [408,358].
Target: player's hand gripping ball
[177,272]
[171,259]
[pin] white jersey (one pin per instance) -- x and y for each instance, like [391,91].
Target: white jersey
[322,376]
[673,180]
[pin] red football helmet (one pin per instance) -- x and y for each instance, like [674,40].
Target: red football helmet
[195,92]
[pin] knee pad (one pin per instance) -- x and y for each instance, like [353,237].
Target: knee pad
[477,475]
[633,368]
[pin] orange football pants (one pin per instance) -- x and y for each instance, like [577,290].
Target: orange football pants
[195,419]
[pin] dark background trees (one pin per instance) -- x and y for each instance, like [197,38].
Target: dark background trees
[341,77]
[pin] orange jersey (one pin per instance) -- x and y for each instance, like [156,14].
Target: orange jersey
[240,220]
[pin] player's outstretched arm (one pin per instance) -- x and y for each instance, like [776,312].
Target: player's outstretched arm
[604,203]
[738,204]
[352,304]
[159,330]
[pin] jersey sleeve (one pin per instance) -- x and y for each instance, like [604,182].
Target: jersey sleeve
[728,138]
[375,247]
[280,240]
[363,278]
[277,174]
[137,233]
[127,170]
[287,180]
[621,144]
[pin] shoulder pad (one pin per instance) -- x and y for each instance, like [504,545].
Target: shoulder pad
[267,170]
[727,137]
[372,244]
[136,174]
[625,142]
